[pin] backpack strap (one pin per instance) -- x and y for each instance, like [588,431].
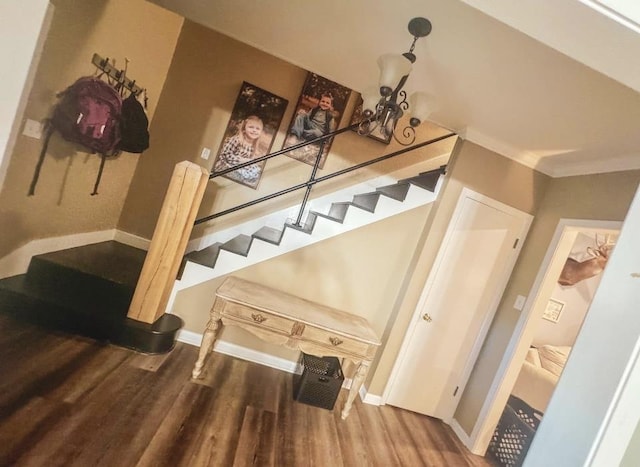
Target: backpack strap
[103,158]
[43,152]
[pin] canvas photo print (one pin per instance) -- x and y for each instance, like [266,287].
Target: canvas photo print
[319,111]
[253,125]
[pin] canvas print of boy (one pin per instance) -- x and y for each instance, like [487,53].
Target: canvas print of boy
[318,112]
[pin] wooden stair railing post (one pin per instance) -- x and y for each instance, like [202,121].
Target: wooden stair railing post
[169,242]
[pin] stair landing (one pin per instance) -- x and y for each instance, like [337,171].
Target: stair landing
[87,291]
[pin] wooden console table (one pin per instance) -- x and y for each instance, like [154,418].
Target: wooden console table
[285,319]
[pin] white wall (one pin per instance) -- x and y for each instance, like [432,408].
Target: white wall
[20,24]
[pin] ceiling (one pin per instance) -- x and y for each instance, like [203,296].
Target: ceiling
[500,71]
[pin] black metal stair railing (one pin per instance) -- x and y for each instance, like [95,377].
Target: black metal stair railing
[313,180]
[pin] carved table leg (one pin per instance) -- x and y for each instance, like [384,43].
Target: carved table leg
[208,338]
[356,383]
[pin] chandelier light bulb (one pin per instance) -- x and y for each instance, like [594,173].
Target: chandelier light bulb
[370,99]
[420,107]
[393,67]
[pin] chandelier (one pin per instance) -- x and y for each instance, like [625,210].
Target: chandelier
[384,105]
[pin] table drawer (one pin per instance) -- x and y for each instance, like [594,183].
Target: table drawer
[336,341]
[258,318]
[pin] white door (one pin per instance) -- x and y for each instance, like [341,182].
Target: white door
[461,294]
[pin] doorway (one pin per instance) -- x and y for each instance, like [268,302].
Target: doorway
[559,249]
[457,305]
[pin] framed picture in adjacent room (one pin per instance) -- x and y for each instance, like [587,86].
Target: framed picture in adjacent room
[252,127]
[319,111]
[553,310]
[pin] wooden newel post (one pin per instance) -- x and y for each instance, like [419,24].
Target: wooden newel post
[169,242]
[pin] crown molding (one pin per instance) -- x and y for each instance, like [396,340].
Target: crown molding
[570,169]
[525,158]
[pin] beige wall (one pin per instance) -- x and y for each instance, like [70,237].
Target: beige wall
[360,271]
[596,197]
[201,88]
[140,31]
[484,172]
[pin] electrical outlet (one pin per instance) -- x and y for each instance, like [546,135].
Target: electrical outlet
[32,129]
[206,152]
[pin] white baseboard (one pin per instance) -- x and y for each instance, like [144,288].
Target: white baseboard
[132,240]
[189,337]
[238,351]
[368,398]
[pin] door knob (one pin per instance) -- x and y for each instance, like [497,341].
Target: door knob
[426,317]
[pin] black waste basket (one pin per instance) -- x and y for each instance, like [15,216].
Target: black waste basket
[320,381]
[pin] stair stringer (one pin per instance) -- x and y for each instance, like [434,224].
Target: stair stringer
[293,239]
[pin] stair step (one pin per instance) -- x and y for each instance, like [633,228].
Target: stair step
[397,191]
[366,201]
[206,256]
[111,261]
[308,225]
[269,234]
[100,277]
[239,244]
[428,181]
[96,320]
[337,211]
[87,291]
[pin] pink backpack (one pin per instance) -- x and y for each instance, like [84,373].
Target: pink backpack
[88,113]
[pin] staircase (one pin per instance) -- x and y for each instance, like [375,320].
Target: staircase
[87,291]
[244,250]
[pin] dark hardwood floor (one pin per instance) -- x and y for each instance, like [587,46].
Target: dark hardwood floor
[70,401]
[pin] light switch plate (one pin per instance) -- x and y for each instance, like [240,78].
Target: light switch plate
[32,129]
[519,304]
[206,152]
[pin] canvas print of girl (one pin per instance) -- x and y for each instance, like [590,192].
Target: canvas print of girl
[254,122]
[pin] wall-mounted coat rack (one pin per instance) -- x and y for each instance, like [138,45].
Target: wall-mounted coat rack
[116,74]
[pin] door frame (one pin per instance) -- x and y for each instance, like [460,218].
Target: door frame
[526,220]
[557,251]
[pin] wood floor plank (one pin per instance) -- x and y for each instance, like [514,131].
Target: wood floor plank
[352,435]
[26,426]
[87,377]
[40,372]
[256,445]
[74,402]
[407,443]
[217,441]
[140,417]
[178,434]
[381,448]
[86,430]
[296,431]
[324,447]
[108,419]
[148,362]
